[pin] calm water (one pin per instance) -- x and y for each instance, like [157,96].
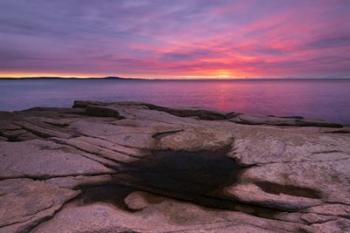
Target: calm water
[323,99]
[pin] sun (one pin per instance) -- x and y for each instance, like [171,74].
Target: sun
[223,74]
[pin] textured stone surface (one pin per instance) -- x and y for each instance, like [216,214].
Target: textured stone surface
[24,203]
[137,167]
[40,159]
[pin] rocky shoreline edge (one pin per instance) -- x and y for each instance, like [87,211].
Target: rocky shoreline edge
[138,167]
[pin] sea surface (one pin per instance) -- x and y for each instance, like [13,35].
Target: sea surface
[318,99]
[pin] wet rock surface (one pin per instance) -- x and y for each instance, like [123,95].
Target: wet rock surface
[137,167]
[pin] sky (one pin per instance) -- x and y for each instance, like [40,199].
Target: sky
[175,39]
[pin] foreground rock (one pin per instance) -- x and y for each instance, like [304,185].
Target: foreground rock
[135,167]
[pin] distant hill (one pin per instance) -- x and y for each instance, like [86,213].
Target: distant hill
[113,77]
[52,78]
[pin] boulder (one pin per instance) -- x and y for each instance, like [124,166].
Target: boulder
[102,111]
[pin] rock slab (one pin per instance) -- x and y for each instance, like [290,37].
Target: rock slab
[139,167]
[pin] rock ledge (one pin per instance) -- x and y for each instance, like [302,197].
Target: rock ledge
[138,167]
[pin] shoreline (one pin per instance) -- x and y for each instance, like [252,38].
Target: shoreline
[237,117]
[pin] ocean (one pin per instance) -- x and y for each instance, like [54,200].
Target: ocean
[317,99]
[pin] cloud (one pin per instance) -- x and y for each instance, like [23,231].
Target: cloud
[188,55]
[172,38]
[330,41]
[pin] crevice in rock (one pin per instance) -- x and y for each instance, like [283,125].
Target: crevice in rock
[19,221]
[222,225]
[111,149]
[320,222]
[303,230]
[46,177]
[326,152]
[108,140]
[296,161]
[338,131]
[337,202]
[17,135]
[41,130]
[160,135]
[334,215]
[292,190]
[98,155]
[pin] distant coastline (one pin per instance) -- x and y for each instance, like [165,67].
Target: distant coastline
[65,78]
[117,78]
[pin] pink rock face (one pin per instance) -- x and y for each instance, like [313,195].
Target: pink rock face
[136,167]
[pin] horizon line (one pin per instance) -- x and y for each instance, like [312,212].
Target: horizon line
[170,79]
[175,78]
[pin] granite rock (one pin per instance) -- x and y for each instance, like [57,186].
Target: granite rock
[138,167]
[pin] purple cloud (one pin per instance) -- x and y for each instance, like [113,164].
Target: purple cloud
[173,38]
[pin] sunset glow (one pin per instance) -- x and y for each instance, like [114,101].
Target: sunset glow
[175,39]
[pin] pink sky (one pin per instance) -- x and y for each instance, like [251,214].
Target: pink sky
[175,39]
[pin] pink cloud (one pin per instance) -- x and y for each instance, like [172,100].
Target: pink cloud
[240,38]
